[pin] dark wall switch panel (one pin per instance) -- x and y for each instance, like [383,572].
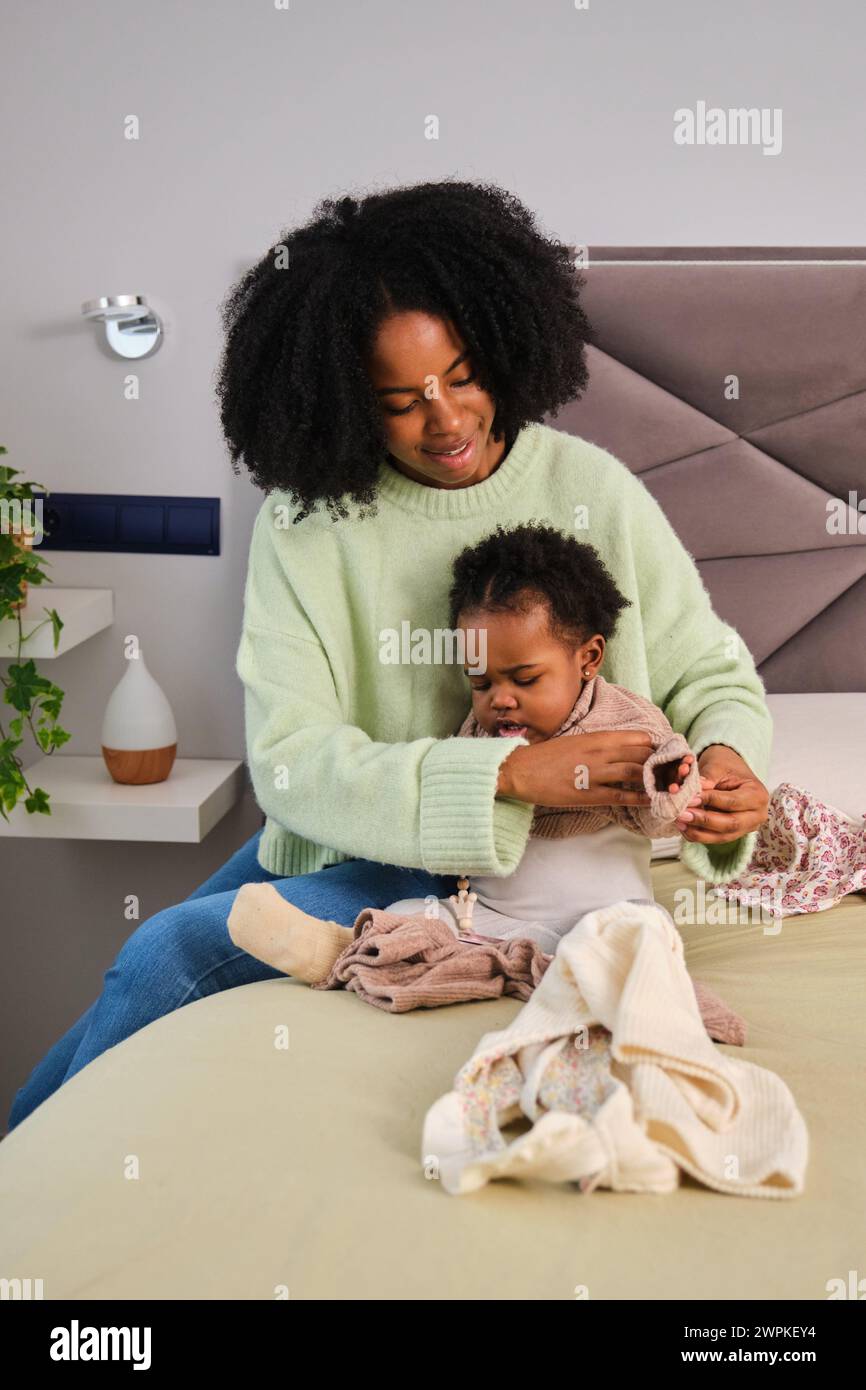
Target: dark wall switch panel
[117,521]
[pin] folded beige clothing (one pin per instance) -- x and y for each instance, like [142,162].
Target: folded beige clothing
[610,1061]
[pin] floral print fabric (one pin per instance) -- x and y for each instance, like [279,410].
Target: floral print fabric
[807,857]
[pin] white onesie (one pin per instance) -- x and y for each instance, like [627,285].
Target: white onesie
[556,882]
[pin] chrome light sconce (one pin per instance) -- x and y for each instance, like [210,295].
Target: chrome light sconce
[132,329]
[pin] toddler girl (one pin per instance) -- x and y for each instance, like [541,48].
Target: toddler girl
[543,606]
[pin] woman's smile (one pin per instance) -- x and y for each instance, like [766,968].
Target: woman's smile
[456,459]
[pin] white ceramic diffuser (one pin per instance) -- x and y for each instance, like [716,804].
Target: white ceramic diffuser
[139,735]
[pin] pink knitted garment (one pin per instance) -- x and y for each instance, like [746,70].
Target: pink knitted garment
[602,706]
[400,962]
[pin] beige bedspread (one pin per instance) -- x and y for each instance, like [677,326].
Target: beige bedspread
[262,1167]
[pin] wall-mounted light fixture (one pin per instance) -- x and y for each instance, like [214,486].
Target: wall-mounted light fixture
[131,328]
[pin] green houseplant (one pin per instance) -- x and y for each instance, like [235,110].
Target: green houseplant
[31,695]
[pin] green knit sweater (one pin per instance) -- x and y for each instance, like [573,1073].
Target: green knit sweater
[354,755]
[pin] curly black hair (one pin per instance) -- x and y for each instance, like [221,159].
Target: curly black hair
[295,400]
[512,569]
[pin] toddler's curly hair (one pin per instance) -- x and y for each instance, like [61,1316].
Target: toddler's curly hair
[512,569]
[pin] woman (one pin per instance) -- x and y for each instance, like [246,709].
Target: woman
[385,373]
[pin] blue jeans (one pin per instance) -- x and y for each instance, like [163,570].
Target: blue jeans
[185,953]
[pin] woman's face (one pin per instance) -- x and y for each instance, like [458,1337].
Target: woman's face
[431,402]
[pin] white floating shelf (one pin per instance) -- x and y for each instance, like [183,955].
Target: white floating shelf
[87,804]
[84,612]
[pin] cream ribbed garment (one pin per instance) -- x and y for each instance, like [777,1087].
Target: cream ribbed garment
[610,1060]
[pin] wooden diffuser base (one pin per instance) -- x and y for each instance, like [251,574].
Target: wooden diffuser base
[138,766]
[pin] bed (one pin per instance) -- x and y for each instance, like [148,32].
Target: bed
[268,1173]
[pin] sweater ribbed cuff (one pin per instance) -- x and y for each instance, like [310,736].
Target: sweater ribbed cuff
[465,827]
[719,863]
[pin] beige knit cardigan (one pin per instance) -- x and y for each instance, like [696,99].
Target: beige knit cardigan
[602,706]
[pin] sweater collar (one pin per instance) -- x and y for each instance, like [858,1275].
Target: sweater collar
[582,705]
[421,500]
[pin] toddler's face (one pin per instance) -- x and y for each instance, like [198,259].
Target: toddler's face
[531,679]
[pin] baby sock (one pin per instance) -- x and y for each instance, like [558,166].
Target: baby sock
[266,926]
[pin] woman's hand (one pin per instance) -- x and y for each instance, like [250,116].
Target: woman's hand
[733,801]
[604,769]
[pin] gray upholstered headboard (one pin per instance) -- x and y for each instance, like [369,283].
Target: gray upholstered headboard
[733,382]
